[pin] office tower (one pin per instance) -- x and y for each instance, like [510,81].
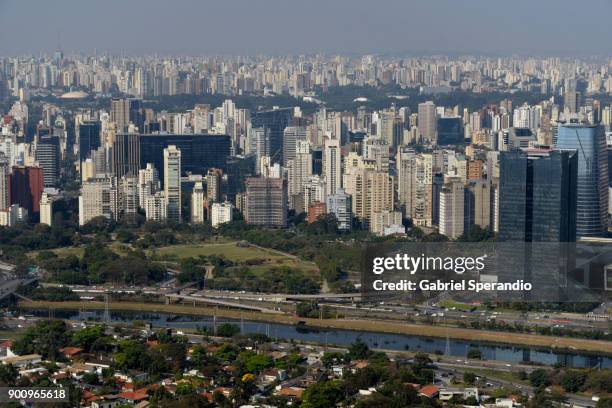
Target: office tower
[148,183]
[48,157]
[592,190]
[197,204]
[478,204]
[291,137]
[405,167]
[99,198]
[340,206]
[266,202]
[172,183]
[332,165]
[450,131]
[126,111]
[437,183]
[221,213]
[5,182]
[213,184]
[198,152]
[88,138]
[276,120]
[259,144]
[537,196]
[129,198]
[452,198]
[46,209]
[27,185]
[570,96]
[427,122]
[126,154]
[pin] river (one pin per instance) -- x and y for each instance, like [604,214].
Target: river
[339,337]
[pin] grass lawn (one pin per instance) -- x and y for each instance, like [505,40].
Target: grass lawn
[228,250]
[237,254]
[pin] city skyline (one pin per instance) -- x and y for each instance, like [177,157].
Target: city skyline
[248,28]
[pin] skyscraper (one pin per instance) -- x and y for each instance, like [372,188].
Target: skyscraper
[291,137]
[452,199]
[88,138]
[5,180]
[126,111]
[172,183]
[538,196]
[592,204]
[276,120]
[48,157]
[340,206]
[332,165]
[197,204]
[427,122]
[266,202]
[27,185]
[46,209]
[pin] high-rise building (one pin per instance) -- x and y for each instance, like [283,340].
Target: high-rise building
[332,165]
[88,138]
[405,166]
[427,121]
[46,209]
[155,207]
[148,183]
[5,182]
[592,205]
[266,202]
[276,120]
[213,184]
[198,214]
[126,111]
[129,198]
[298,170]
[172,183]
[99,198]
[478,204]
[48,157]
[340,206]
[221,213]
[291,137]
[27,185]
[452,199]
[537,196]
[450,130]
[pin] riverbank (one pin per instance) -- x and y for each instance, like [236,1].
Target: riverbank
[518,339]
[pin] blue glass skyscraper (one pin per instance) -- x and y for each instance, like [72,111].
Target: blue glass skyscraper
[589,142]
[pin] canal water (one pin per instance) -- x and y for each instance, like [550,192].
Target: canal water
[338,337]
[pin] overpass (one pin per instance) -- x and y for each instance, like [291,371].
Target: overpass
[194,299]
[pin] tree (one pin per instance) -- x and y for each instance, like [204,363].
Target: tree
[469,378]
[539,378]
[358,350]
[86,337]
[323,395]
[573,380]
[8,375]
[46,337]
[228,330]
[605,402]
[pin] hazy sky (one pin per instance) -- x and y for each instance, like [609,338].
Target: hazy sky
[563,27]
